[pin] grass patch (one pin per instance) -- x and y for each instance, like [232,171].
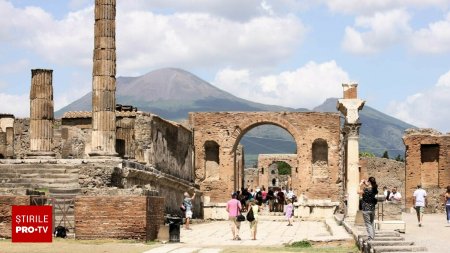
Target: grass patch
[300,244]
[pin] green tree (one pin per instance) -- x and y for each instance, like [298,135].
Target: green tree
[283,168]
[385,155]
[399,158]
[366,154]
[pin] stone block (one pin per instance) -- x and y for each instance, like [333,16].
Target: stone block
[104,11]
[105,28]
[105,42]
[104,83]
[104,68]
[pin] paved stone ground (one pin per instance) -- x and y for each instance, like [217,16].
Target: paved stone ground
[434,233]
[213,237]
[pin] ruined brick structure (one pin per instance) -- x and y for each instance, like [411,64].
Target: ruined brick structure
[217,135]
[268,175]
[387,172]
[428,164]
[122,217]
[6,136]
[251,178]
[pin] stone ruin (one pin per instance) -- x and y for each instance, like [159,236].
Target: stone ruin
[427,164]
[116,153]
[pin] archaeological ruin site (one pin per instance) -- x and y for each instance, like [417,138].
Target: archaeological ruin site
[118,165]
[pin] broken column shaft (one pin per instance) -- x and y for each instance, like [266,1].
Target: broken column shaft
[41,113]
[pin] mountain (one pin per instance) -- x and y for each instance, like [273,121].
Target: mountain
[379,132]
[172,93]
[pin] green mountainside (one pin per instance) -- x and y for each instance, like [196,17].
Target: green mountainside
[172,93]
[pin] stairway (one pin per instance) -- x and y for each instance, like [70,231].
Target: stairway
[60,180]
[386,241]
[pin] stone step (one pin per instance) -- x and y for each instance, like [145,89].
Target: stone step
[389,243]
[379,249]
[63,191]
[31,170]
[39,185]
[39,180]
[38,175]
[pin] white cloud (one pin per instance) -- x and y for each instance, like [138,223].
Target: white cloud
[428,108]
[433,39]
[306,86]
[371,34]
[19,105]
[370,6]
[200,40]
[146,40]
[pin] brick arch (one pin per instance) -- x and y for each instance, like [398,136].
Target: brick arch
[266,160]
[242,128]
[228,128]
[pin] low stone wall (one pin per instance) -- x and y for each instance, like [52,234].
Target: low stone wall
[168,186]
[6,203]
[315,209]
[120,217]
[389,210]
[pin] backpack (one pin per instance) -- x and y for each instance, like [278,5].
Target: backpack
[61,231]
[250,216]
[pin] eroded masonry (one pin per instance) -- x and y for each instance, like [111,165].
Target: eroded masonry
[127,161]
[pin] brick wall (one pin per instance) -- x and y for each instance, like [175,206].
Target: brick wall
[5,212]
[120,217]
[427,163]
[227,128]
[389,173]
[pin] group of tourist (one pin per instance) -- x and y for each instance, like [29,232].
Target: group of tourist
[236,206]
[392,195]
[275,198]
[369,191]
[254,202]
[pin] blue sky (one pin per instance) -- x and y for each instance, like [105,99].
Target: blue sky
[285,52]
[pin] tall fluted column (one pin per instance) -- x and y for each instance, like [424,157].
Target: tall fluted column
[350,106]
[41,113]
[104,80]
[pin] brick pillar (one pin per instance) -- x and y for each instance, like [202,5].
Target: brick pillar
[350,106]
[104,80]
[41,113]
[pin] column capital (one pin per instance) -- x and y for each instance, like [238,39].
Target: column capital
[352,130]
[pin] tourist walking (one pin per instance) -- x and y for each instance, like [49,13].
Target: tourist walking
[234,209]
[447,203]
[369,191]
[187,203]
[254,223]
[289,212]
[420,202]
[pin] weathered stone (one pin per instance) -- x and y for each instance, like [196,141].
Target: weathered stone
[103,93]
[41,113]
[227,128]
[427,163]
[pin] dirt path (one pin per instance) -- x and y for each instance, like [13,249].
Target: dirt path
[71,246]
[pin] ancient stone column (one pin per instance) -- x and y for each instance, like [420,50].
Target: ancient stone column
[104,80]
[41,113]
[350,106]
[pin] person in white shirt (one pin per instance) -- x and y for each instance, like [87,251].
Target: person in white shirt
[395,195]
[420,202]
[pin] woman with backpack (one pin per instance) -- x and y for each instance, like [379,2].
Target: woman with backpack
[369,190]
[252,217]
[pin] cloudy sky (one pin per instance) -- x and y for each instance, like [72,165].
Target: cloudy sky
[284,52]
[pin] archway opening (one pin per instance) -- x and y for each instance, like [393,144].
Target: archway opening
[266,149]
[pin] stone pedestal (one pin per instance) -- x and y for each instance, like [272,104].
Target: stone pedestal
[104,80]
[41,114]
